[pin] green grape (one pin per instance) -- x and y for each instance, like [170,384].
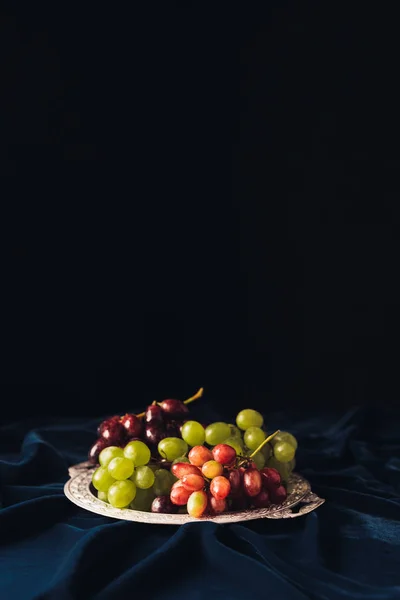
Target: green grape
[143,477]
[193,433]
[283,436]
[253,437]
[137,452]
[102,479]
[216,433]
[120,468]
[259,460]
[235,444]
[266,451]
[282,468]
[172,447]
[292,464]
[235,431]
[143,500]
[102,496]
[249,418]
[163,482]
[121,493]
[183,459]
[283,452]
[106,455]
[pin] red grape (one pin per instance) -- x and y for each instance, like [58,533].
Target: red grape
[212,469]
[104,424]
[95,450]
[278,495]
[163,504]
[261,500]
[182,469]
[153,415]
[199,455]
[270,478]
[252,482]
[224,454]
[154,433]
[179,494]
[132,425]
[114,432]
[174,408]
[220,487]
[217,505]
[235,479]
[193,482]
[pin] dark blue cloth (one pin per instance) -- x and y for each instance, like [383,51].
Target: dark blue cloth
[349,548]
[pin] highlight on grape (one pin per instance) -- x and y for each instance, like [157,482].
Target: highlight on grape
[161,461]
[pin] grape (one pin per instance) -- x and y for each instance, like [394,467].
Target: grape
[284,452]
[261,500]
[199,455]
[143,477]
[212,469]
[270,478]
[216,433]
[252,482]
[154,415]
[171,447]
[106,423]
[224,454]
[217,505]
[120,468]
[266,451]
[249,418]
[292,465]
[172,429]
[108,454]
[182,469]
[163,504]
[154,434]
[284,436]
[138,452]
[121,493]
[192,482]
[102,479]
[235,479]
[197,504]
[282,468]
[278,495]
[95,450]
[253,437]
[234,432]
[193,433]
[220,487]
[179,494]
[143,500]
[102,496]
[236,444]
[174,408]
[113,431]
[132,424]
[259,460]
[181,459]
[163,482]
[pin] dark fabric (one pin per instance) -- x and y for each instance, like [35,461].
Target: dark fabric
[349,548]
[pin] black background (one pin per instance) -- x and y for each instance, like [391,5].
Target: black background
[212,200]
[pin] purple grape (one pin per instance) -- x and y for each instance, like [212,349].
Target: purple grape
[154,415]
[163,504]
[95,450]
[132,425]
[174,408]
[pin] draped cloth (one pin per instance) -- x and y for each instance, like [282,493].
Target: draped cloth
[347,549]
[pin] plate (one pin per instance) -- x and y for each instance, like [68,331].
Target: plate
[78,489]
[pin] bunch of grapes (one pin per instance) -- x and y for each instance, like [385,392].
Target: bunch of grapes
[206,471]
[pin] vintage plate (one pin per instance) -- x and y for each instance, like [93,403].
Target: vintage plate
[78,489]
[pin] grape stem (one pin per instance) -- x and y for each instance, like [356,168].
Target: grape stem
[197,395]
[268,439]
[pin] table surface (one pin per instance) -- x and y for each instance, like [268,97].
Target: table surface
[348,548]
